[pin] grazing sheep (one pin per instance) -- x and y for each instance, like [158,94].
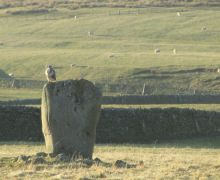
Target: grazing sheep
[204,28]
[157,51]
[11,75]
[174,51]
[178,14]
[218,70]
[90,33]
[111,56]
[75,17]
[72,65]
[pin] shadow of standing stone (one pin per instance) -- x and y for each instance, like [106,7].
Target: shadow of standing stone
[70,112]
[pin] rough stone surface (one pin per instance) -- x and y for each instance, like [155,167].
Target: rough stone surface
[123,164]
[70,113]
[23,159]
[62,158]
[41,154]
[38,160]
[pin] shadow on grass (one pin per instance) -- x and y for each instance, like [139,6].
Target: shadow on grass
[12,143]
[205,142]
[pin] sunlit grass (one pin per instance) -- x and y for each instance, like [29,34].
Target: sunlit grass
[187,159]
[31,41]
[206,107]
[14,94]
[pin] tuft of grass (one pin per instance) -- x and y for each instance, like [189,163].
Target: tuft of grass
[206,107]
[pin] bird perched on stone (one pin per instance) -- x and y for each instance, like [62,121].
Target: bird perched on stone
[50,74]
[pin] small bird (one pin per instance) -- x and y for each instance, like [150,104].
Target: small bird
[50,74]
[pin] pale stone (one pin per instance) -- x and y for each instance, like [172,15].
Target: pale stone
[70,113]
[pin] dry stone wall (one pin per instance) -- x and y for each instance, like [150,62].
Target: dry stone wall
[20,123]
[137,99]
[118,125]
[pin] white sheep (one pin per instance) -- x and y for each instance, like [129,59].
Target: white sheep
[11,75]
[174,51]
[75,17]
[178,14]
[218,70]
[157,51]
[204,28]
[111,56]
[90,33]
[72,65]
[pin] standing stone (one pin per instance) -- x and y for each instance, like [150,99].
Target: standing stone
[70,113]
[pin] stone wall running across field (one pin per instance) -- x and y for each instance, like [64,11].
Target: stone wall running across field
[20,123]
[136,99]
[162,99]
[118,125]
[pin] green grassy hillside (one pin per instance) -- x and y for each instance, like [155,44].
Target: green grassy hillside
[74,4]
[120,48]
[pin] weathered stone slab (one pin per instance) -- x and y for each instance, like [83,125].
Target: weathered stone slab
[70,113]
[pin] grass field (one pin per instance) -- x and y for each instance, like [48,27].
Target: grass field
[15,94]
[12,94]
[206,107]
[115,45]
[74,4]
[183,159]
[120,48]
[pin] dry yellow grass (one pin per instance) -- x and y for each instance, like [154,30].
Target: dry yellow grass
[185,159]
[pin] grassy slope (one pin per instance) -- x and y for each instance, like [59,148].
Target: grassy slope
[206,107]
[31,41]
[73,4]
[14,94]
[11,94]
[185,159]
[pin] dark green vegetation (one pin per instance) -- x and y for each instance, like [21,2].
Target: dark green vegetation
[74,4]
